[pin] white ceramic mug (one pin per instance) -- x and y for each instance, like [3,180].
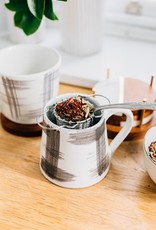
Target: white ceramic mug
[76,158]
[28,79]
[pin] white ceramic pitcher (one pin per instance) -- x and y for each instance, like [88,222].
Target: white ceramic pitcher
[76,158]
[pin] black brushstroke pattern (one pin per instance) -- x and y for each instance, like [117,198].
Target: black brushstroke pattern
[10,90]
[18,84]
[11,87]
[61,175]
[48,86]
[7,95]
[82,138]
[102,155]
[87,137]
[50,163]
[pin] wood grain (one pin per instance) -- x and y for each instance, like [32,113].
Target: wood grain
[125,199]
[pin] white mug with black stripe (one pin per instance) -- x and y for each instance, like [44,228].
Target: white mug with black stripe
[28,79]
[76,158]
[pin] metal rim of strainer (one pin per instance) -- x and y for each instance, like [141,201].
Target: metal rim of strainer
[86,123]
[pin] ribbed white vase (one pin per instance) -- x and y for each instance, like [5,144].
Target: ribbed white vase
[81,26]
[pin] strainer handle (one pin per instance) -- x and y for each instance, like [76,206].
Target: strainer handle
[99,95]
[44,127]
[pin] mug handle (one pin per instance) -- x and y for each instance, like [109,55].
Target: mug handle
[124,131]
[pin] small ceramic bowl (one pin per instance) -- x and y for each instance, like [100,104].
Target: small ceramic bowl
[150,164]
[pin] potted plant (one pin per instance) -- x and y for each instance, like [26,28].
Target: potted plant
[30,13]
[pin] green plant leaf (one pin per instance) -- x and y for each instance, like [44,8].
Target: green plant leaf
[26,21]
[36,7]
[16,5]
[49,12]
[29,13]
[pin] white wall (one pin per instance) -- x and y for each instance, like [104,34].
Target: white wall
[111,6]
[3,25]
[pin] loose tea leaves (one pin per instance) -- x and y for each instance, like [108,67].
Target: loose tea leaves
[74,109]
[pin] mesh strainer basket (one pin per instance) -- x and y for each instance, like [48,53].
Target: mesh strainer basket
[82,124]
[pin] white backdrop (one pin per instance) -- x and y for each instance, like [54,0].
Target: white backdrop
[125,54]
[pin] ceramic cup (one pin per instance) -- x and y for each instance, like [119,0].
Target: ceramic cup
[150,164]
[28,79]
[76,158]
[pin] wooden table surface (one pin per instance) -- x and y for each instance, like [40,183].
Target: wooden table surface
[125,199]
